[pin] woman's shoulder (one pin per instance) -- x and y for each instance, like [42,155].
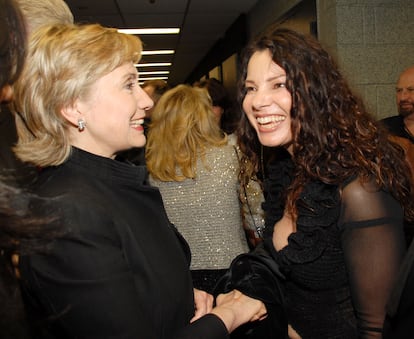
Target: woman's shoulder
[59,181]
[225,148]
[232,139]
[71,194]
[366,200]
[224,155]
[357,190]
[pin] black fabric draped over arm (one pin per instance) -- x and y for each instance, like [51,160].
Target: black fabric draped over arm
[374,245]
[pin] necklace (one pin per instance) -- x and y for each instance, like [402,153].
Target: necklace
[262,162]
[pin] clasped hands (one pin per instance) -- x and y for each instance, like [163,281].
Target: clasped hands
[233,308]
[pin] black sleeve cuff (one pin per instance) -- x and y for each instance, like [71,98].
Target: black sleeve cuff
[207,327]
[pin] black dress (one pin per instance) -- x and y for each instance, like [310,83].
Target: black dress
[343,259]
[399,322]
[120,269]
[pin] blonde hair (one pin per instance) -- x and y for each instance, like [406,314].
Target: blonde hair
[182,126]
[38,13]
[63,63]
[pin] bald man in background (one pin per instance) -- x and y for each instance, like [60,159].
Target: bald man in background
[401,126]
[400,309]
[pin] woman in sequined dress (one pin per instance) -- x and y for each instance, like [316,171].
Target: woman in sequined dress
[190,161]
[335,205]
[250,192]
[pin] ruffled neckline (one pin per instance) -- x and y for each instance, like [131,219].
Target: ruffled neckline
[318,212]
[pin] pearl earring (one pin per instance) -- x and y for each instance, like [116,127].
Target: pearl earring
[81,124]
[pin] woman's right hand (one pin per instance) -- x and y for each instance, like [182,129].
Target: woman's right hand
[234,309]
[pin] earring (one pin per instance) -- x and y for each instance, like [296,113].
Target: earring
[81,124]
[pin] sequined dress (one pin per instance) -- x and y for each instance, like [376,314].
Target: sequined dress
[206,211]
[341,262]
[251,198]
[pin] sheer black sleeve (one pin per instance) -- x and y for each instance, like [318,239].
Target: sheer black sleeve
[374,246]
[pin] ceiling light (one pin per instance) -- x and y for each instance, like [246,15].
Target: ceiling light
[154,73]
[139,31]
[153,64]
[159,52]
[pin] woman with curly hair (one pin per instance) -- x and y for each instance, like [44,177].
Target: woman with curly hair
[335,205]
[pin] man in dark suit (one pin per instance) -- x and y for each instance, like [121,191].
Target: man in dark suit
[401,126]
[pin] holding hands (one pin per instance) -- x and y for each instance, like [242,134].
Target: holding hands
[235,309]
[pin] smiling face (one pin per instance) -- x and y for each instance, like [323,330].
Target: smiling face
[267,102]
[113,112]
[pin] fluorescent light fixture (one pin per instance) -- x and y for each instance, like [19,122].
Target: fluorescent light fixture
[154,64]
[159,52]
[140,31]
[152,78]
[154,73]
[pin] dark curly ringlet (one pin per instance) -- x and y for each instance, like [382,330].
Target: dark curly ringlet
[23,231]
[334,137]
[12,43]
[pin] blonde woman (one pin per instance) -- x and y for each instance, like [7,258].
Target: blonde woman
[120,269]
[196,170]
[36,13]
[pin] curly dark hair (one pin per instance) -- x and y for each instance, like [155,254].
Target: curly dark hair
[334,137]
[22,230]
[12,43]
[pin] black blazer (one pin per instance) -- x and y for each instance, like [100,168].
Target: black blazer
[119,269]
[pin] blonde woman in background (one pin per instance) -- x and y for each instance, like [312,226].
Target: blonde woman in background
[36,13]
[190,161]
[250,191]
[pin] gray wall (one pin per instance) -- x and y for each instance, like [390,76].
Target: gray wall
[373,41]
